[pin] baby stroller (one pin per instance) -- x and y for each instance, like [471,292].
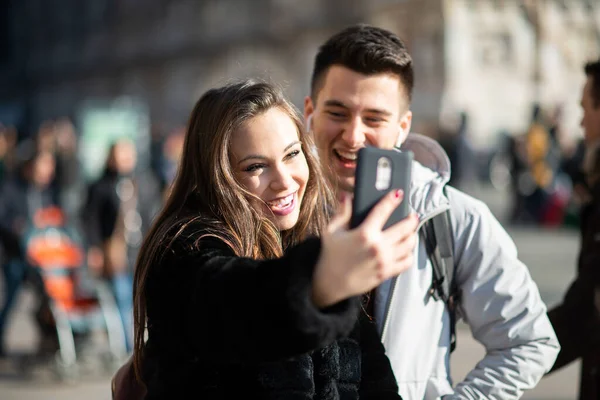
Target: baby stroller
[75,304]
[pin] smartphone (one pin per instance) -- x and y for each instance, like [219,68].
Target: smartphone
[379,171]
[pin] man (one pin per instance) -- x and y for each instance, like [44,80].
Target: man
[361,91]
[577,319]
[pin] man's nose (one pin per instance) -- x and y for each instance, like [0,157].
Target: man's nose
[354,134]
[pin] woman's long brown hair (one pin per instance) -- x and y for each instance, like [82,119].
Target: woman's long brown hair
[205,189]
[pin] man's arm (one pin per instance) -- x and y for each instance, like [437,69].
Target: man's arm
[572,335]
[576,319]
[501,304]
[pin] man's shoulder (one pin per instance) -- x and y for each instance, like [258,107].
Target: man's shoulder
[474,226]
[465,207]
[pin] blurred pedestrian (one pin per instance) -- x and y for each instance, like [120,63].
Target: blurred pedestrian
[8,142]
[460,152]
[119,208]
[20,198]
[577,319]
[69,179]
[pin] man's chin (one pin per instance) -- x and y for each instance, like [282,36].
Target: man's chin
[340,182]
[346,185]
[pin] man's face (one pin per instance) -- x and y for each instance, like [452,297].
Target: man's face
[591,114]
[351,111]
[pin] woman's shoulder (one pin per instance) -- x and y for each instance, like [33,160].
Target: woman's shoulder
[193,237]
[188,246]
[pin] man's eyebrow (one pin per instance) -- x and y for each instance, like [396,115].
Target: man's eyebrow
[379,111]
[337,103]
[259,157]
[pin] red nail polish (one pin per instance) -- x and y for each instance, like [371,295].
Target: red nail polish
[398,193]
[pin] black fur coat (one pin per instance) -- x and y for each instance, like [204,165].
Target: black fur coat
[224,327]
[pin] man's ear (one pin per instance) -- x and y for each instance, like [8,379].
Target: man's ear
[404,128]
[309,123]
[308,112]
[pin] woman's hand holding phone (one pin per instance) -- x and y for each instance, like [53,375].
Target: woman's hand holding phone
[354,261]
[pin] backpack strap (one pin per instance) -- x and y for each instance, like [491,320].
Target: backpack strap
[438,237]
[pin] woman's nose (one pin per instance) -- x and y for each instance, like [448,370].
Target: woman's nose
[282,179]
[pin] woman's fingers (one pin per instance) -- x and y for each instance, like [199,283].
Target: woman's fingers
[362,258]
[397,246]
[402,229]
[381,212]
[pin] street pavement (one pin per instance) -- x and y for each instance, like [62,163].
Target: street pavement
[549,254]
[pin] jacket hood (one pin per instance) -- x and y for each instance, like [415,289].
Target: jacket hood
[430,173]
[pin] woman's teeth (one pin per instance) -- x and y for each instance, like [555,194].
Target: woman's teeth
[282,203]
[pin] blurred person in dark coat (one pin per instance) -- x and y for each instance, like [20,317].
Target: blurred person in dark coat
[8,141]
[60,138]
[460,152]
[577,320]
[119,208]
[20,198]
[69,181]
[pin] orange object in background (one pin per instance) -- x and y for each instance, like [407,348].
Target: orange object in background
[52,248]
[62,289]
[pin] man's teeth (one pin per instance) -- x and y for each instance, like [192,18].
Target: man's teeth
[346,155]
[282,202]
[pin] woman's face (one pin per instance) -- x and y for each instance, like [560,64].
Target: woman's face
[266,156]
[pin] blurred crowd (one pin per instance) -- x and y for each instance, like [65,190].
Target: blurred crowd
[540,168]
[107,215]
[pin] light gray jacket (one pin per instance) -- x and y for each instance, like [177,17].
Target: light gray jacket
[500,301]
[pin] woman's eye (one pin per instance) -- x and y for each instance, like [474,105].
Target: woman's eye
[293,154]
[254,167]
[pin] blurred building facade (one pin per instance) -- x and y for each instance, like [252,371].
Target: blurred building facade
[503,56]
[477,56]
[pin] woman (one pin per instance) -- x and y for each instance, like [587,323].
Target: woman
[239,298]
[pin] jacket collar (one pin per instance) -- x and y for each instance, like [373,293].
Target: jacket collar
[430,173]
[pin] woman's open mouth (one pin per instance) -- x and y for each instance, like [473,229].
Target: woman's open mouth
[283,205]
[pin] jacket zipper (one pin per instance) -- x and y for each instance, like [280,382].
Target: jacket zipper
[394,283]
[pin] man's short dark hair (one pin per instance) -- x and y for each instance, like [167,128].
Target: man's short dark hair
[367,50]
[592,70]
